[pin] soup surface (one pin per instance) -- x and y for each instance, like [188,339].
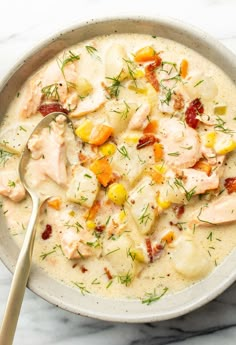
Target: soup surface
[143,195]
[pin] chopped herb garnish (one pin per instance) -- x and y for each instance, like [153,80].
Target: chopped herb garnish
[188,194]
[125,279]
[186,147]
[109,284]
[198,83]
[51,91]
[93,52]
[43,256]
[124,113]
[114,88]
[174,154]
[131,254]
[202,220]
[112,251]
[4,156]
[108,220]
[145,216]
[11,184]
[151,297]
[87,175]
[77,226]
[22,129]
[123,151]
[96,282]
[71,57]
[131,70]
[82,287]
[220,126]
[209,237]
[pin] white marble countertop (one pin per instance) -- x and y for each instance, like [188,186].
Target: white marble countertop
[24,23]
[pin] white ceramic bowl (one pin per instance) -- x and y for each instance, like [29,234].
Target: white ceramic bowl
[62,295]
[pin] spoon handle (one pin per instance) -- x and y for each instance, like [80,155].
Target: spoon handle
[19,280]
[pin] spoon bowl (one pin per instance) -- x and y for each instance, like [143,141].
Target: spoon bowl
[23,265]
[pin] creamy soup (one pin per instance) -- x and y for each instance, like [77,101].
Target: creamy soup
[142,197]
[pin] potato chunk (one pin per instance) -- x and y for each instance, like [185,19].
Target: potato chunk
[143,203]
[189,259]
[83,187]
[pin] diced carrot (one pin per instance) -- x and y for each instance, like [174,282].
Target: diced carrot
[184,68]
[151,127]
[54,203]
[102,169]
[158,151]
[156,176]
[92,212]
[203,166]
[168,237]
[100,134]
[145,54]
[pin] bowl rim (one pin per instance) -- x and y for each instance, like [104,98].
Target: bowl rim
[149,315]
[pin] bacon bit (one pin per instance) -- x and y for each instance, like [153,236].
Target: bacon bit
[150,72]
[178,101]
[149,249]
[115,177]
[83,269]
[203,166]
[156,250]
[82,158]
[151,127]
[108,273]
[230,184]
[179,211]
[194,109]
[92,212]
[146,140]
[48,108]
[100,228]
[47,232]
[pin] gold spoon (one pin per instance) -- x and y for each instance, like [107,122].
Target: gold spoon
[23,264]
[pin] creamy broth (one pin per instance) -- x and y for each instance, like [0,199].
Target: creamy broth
[142,200]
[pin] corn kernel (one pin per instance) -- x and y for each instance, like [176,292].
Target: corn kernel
[209,139]
[84,87]
[107,149]
[160,168]
[220,109]
[122,216]
[84,130]
[117,193]
[131,140]
[226,147]
[163,203]
[72,213]
[90,224]
[139,74]
[137,254]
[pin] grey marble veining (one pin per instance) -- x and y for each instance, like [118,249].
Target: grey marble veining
[22,25]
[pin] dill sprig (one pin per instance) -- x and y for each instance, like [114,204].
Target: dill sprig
[188,194]
[123,151]
[151,297]
[4,156]
[123,113]
[81,286]
[93,52]
[70,58]
[220,126]
[114,88]
[51,91]
[125,279]
[77,226]
[145,216]
[11,184]
[131,66]
[43,256]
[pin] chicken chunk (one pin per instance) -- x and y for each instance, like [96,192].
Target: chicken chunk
[182,148]
[49,153]
[220,211]
[11,187]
